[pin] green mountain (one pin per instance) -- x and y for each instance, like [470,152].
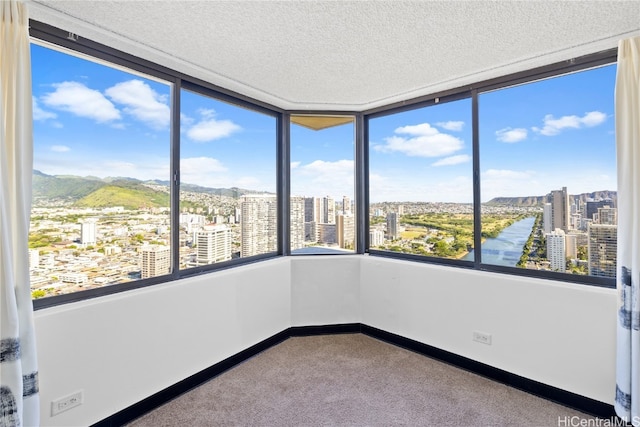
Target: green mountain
[90,191]
[127,194]
[63,186]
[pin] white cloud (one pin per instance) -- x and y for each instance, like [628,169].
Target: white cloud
[453,160]
[322,168]
[121,166]
[248,182]
[141,102]
[593,118]
[207,112]
[74,163]
[295,164]
[209,129]
[553,126]
[211,172]
[511,135]
[323,178]
[509,183]
[209,164]
[39,113]
[506,174]
[451,125]
[457,189]
[78,99]
[185,120]
[425,141]
[60,148]
[422,129]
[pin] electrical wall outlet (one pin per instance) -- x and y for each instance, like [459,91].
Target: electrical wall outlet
[481,337]
[67,402]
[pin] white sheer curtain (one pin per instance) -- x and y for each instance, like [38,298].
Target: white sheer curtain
[627,401]
[19,399]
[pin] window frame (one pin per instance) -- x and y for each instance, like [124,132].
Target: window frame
[358,182]
[52,37]
[582,63]
[430,101]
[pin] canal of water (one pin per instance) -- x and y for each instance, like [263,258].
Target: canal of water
[506,249]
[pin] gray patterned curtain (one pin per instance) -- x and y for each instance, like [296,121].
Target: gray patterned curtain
[627,399]
[19,399]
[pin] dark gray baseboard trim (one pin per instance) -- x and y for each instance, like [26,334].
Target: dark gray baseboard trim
[156,400]
[306,331]
[563,397]
[554,394]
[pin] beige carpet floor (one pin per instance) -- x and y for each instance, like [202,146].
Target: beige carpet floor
[354,380]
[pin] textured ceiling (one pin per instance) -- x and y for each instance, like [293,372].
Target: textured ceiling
[346,55]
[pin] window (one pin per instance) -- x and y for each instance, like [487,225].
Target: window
[228,203]
[104,147]
[548,173]
[322,184]
[420,181]
[545,182]
[101,198]
[543,179]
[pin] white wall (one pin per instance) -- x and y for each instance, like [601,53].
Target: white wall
[557,333]
[325,290]
[125,347]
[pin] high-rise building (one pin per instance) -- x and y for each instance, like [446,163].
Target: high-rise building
[345,230]
[297,222]
[602,249]
[556,251]
[607,215]
[571,246]
[311,231]
[327,234]
[156,260]
[311,209]
[346,204]
[575,221]
[376,238]
[191,222]
[393,225]
[88,231]
[328,212]
[312,215]
[259,228]
[547,218]
[34,258]
[213,244]
[560,209]
[593,206]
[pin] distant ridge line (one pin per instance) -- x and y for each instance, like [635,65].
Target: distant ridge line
[538,201]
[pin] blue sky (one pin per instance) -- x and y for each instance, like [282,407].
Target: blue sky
[90,119]
[322,162]
[534,138]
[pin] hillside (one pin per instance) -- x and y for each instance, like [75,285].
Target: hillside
[533,201]
[132,196]
[234,192]
[66,187]
[527,201]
